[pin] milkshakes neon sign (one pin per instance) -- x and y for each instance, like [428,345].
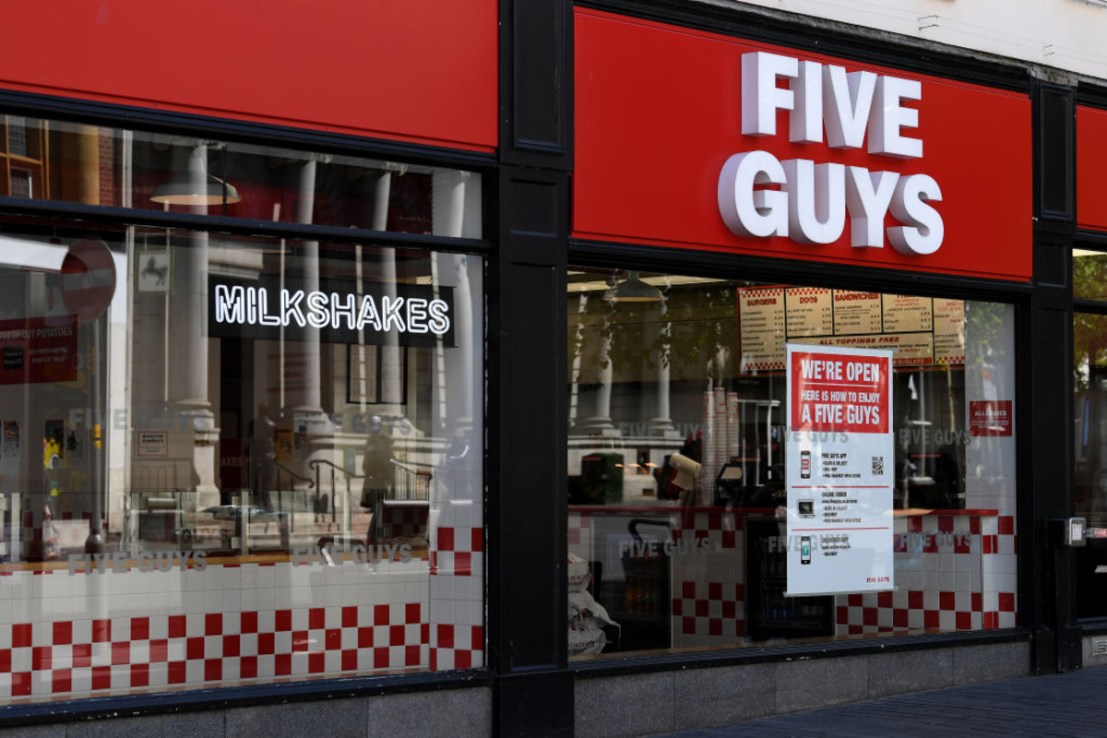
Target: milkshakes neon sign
[331,310]
[808,202]
[253,306]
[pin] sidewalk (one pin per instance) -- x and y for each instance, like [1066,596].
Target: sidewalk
[1072,704]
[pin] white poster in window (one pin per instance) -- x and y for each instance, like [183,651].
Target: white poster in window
[839,471]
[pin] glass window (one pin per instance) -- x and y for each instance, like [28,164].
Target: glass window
[98,165]
[1090,456]
[671,369]
[229,458]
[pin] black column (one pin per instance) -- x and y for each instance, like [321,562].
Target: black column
[527,375]
[1046,568]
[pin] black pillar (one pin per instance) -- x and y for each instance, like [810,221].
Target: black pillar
[1046,568]
[527,375]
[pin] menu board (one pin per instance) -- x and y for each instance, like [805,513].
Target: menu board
[906,313]
[856,312]
[809,311]
[920,331]
[762,334]
[949,331]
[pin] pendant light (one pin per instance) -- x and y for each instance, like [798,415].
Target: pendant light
[192,185]
[633,289]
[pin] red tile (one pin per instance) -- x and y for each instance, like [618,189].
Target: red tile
[688,590]
[715,591]
[121,652]
[101,631]
[931,621]
[380,615]
[5,660]
[701,608]
[412,656]
[140,675]
[248,622]
[730,539]
[140,629]
[477,637]
[964,621]
[869,615]
[317,618]
[884,599]
[445,539]
[333,639]
[478,540]
[178,626]
[842,615]
[349,617]
[82,655]
[397,635]
[159,651]
[213,670]
[21,684]
[991,621]
[349,660]
[267,644]
[21,635]
[714,626]
[947,601]
[300,641]
[445,636]
[283,620]
[688,626]
[232,646]
[194,649]
[61,681]
[977,602]
[101,677]
[41,658]
[317,662]
[730,610]
[178,672]
[854,600]
[63,633]
[740,592]
[282,665]
[213,624]
[380,658]
[945,523]
[1006,525]
[412,613]
[1006,602]
[248,667]
[364,637]
[463,564]
[900,618]
[974,525]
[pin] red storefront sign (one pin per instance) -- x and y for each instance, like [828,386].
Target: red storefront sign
[892,169]
[1091,162]
[423,72]
[36,350]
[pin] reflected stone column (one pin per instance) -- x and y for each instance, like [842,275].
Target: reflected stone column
[599,423]
[662,423]
[192,419]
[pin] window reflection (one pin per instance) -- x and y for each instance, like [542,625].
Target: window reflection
[677,452]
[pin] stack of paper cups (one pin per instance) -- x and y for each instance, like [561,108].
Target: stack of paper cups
[733,427]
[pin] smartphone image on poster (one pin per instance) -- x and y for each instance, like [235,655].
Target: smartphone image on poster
[805,464]
[805,549]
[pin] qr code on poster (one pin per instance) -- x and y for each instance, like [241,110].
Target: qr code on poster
[878,465]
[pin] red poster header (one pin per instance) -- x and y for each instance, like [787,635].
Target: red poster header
[838,393]
[990,417]
[660,115]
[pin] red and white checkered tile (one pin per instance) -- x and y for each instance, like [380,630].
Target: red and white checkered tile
[953,572]
[456,623]
[74,658]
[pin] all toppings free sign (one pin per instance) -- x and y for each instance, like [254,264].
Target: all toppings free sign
[834,392]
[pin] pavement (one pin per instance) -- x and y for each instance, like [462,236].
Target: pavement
[1070,704]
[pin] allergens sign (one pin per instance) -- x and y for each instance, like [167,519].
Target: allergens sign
[839,470]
